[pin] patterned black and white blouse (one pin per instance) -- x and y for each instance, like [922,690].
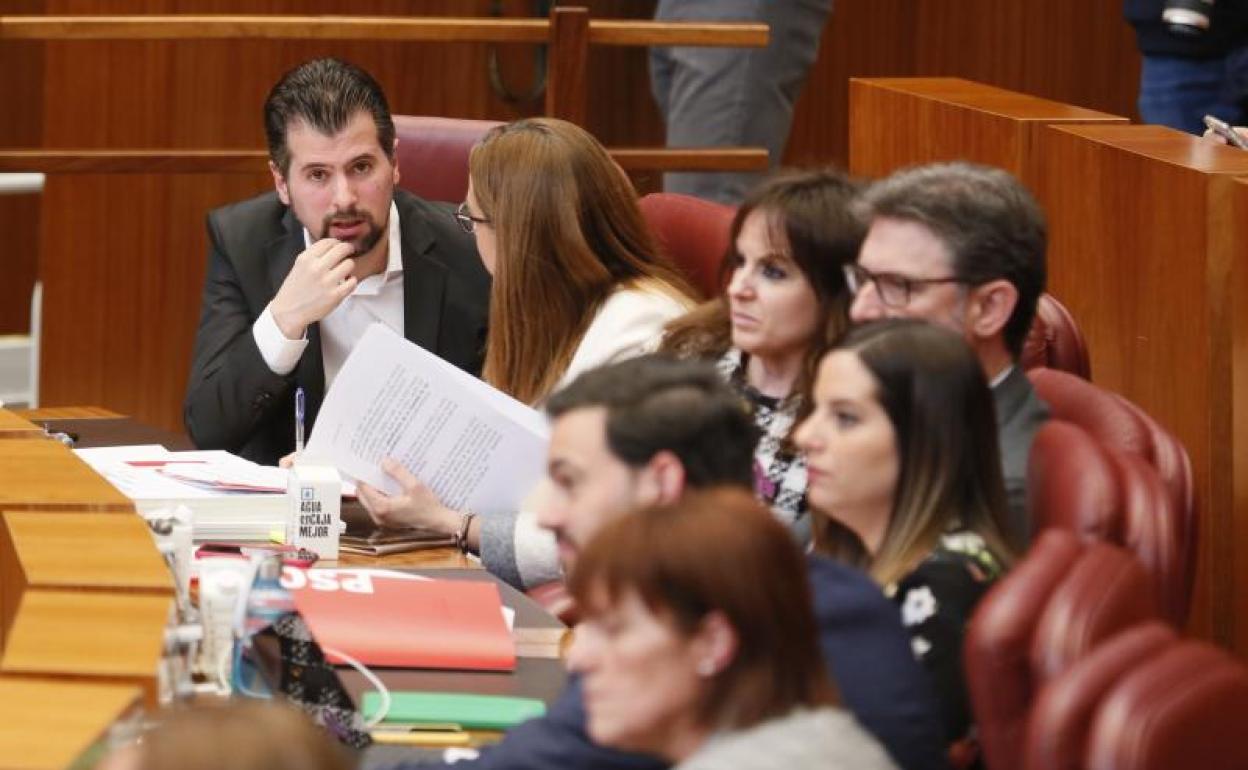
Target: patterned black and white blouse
[779,474]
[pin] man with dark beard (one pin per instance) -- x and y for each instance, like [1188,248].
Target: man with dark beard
[295,276]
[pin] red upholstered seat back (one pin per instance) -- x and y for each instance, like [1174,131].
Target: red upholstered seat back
[1057,729]
[1100,412]
[693,233]
[1072,484]
[997,647]
[433,154]
[1105,591]
[1126,430]
[1050,611]
[1055,341]
[1186,707]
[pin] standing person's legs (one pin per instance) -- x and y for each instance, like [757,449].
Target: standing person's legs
[724,97]
[1233,99]
[1178,92]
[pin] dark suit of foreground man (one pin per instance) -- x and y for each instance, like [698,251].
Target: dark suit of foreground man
[639,433]
[295,276]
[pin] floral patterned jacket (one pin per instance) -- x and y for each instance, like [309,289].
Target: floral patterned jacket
[936,601]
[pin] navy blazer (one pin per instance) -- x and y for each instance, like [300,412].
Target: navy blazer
[867,651]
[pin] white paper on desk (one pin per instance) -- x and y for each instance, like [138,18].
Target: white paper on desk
[476,448]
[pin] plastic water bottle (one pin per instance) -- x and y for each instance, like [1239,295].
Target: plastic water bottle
[267,601]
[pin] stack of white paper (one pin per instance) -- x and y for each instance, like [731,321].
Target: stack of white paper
[148,475]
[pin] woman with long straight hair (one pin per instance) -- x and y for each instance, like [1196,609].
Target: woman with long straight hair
[578,280]
[904,468]
[577,283]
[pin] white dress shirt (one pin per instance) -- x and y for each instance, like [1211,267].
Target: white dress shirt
[376,298]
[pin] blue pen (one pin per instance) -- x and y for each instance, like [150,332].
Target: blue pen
[300,405]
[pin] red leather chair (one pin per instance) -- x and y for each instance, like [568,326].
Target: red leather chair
[1057,729]
[693,233]
[1055,341]
[433,154]
[1163,706]
[1054,607]
[1126,429]
[1077,484]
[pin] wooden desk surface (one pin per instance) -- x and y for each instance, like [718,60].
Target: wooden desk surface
[85,551]
[985,98]
[41,475]
[46,725]
[1166,145]
[39,639]
[66,413]
[14,426]
[429,558]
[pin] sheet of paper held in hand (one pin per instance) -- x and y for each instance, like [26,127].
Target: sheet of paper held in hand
[477,448]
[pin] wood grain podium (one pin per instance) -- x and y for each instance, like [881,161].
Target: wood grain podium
[1148,249]
[101,637]
[46,475]
[897,122]
[76,552]
[48,725]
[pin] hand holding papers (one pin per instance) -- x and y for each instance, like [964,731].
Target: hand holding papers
[475,448]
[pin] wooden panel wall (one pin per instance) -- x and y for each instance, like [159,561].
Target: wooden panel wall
[1232,434]
[22,126]
[1146,250]
[134,246]
[1071,51]
[948,119]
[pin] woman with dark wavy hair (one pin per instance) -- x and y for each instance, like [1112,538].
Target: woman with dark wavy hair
[784,301]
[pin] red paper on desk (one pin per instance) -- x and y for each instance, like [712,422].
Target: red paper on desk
[406,623]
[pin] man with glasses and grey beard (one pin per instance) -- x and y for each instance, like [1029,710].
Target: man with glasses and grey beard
[296,275]
[962,246]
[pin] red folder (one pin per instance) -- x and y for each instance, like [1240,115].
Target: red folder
[393,622]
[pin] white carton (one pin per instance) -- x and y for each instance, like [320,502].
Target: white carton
[314,494]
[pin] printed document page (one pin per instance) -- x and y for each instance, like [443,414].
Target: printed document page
[475,447]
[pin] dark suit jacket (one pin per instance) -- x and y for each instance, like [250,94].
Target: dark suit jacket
[867,652]
[1020,413]
[233,400]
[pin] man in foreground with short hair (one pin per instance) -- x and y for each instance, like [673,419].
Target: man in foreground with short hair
[641,432]
[296,275]
[963,246]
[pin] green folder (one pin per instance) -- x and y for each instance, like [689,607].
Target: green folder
[469,712]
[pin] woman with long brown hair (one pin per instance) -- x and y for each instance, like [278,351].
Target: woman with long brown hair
[708,657]
[903,464]
[578,282]
[784,301]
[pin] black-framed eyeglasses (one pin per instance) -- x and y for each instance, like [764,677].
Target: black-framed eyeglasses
[466,220]
[893,289]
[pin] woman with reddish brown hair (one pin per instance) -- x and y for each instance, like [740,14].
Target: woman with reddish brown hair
[708,657]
